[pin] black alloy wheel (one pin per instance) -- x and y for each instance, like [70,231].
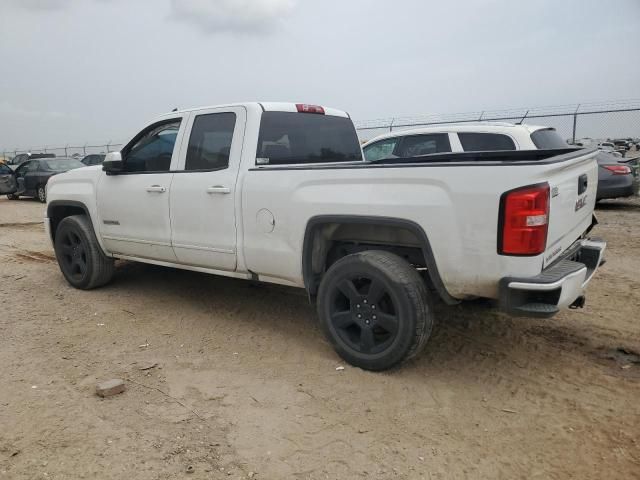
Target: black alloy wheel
[81,260]
[375,309]
[73,255]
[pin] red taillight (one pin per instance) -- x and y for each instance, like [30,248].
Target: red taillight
[304,108]
[618,169]
[525,220]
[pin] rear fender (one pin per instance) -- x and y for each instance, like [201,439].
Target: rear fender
[311,280]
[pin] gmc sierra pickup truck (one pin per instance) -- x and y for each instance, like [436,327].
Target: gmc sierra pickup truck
[280,193]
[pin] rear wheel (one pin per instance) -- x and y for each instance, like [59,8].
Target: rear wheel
[375,309]
[79,255]
[13,196]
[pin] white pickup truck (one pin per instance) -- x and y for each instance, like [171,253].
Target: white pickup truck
[280,193]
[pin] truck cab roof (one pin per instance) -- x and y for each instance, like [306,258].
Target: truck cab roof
[267,107]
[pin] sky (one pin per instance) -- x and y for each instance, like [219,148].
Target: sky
[75,71]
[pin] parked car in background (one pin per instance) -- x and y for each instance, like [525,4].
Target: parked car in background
[612,149]
[621,143]
[584,142]
[32,176]
[462,138]
[93,159]
[23,157]
[615,178]
[8,184]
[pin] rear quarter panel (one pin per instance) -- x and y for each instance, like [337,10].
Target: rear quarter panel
[456,205]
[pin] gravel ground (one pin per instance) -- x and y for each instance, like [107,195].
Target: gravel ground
[242,385]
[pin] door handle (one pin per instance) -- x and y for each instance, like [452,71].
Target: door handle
[583,182]
[219,189]
[156,188]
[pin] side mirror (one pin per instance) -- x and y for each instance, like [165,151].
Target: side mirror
[112,163]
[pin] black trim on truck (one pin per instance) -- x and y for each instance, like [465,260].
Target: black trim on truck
[64,203]
[311,283]
[543,303]
[453,159]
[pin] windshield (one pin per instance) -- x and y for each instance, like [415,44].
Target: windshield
[287,138]
[62,164]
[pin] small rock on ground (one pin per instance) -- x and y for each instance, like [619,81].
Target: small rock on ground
[110,388]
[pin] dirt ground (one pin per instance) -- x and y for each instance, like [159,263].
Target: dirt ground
[246,387]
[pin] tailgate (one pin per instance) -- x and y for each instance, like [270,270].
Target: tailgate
[573,197]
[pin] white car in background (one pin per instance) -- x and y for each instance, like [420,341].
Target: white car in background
[477,137]
[610,148]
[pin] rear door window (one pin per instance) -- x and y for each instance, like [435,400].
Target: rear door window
[210,141]
[33,166]
[548,138]
[294,138]
[417,145]
[485,142]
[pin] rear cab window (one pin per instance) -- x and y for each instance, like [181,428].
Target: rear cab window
[485,142]
[548,139]
[302,138]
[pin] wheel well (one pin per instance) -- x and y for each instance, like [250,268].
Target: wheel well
[57,212]
[328,239]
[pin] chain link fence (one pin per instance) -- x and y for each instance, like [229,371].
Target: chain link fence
[596,121]
[79,151]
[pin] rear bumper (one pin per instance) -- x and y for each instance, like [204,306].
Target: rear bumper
[558,286]
[615,186]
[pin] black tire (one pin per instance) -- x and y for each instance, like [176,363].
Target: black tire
[13,196]
[81,260]
[375,309]
[41,193]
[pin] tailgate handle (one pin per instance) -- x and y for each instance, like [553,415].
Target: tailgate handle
[583,181]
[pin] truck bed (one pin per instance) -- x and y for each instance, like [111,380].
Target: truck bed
[457,207]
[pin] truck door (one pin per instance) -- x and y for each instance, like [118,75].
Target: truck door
[133,206]
[203,195]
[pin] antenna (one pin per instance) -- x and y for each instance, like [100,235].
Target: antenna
[522,119]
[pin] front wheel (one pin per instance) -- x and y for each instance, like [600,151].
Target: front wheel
[42,193]
[375,309]
[81,260]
